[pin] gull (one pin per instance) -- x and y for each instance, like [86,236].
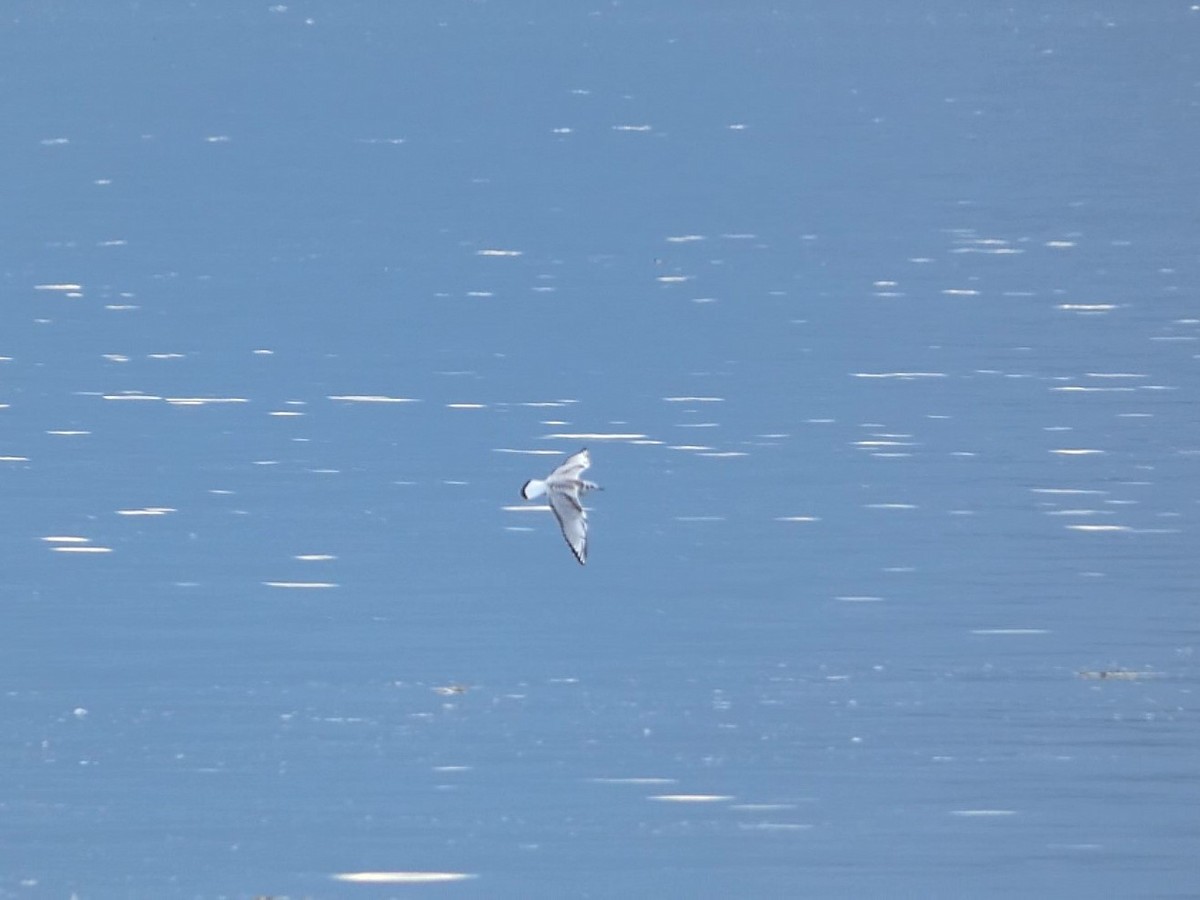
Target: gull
[563,487]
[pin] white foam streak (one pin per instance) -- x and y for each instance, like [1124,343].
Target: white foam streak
[903,375]
[593,436]
[401,877]
[371,398]
[301,585]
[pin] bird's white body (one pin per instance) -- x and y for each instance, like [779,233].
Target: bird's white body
[563,487]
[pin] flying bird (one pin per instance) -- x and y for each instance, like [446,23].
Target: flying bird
[563,487]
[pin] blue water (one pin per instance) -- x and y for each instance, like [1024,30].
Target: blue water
[881,323]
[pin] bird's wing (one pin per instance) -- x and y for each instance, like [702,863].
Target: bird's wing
[572,467]
[573,522]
